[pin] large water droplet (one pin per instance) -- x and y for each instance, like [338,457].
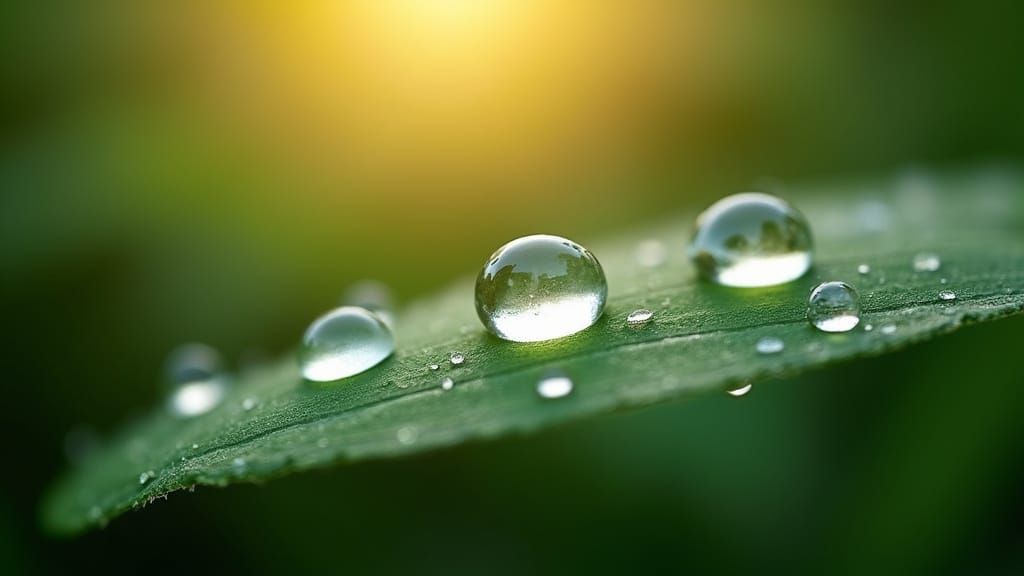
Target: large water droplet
[927,262]
[539,288]
[344,342]
[457,358]
[637,317]
[770,345]
[834,307]
[751,239]
[554,386]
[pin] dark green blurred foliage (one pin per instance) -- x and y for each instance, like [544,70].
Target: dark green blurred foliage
[138,211]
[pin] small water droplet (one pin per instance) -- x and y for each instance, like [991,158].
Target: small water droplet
[196,398]
[555,385]
[750,240]
[868,327]
[943,280]
[641,316]
[195,446]
[248,404]
[344,342]
[239,463]
[447,383]
[434,367]
[927,262]
[947,295]
[457,359]
[406,435]
[770,345]
[539,288]
[888,329]
[194,375]
[402,384]
[834,307]
[146,476]
[651,253]
[864,269]
[741,391]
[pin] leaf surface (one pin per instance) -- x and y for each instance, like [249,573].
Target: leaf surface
[701,340]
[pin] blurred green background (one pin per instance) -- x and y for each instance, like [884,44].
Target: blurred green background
[220,172]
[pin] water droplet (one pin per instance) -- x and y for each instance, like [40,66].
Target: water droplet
[641,316]
[195,446]
[834,307]
[554,386]
[248,404]
[741,391]
[406,435]
[927,262]
[651,253]
[434,367]
[239,463]
[888,329]
[457,359]
[146,476]
[943,280]
[195,398]
[947,295]
[864,269]
[770,345]
[344,342]
[751,239]
[868,327]
[194,375]
[539,288]
[447,383]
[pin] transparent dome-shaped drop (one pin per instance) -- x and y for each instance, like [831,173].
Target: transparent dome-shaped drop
[539,288]
[344,342]
[749,240]
[834,307]
[195,378]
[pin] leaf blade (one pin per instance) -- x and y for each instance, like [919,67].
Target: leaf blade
[701,339]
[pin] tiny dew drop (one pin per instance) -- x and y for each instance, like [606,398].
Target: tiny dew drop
[947,295]
[864,269]
[741,391]
[651,253]
[457,359]
[555,385]
[641,316]
[146,476]
[927,262]
[868,327]
[888,329]
[344,342]
[750,240]
[434,367]
[834,307]
[769,345]
[248,404]
[406,435]
[447,383]
[540,288]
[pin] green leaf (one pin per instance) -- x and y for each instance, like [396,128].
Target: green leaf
[701,340]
